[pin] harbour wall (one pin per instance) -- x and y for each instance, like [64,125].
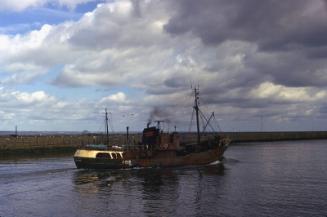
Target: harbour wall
[243,137]
[56,144]
[41,144]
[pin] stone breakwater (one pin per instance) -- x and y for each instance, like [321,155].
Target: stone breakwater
[241,137]
[40,144]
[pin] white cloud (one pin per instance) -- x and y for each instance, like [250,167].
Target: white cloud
[72,3]
[21,73]
[119,98]
[6,115]
[121,8]
[268,90]
[20,5]
[107,46]
[34,97]
[13,46]
[39,110]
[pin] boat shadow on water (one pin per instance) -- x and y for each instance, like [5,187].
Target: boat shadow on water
[144,176]
[151,191]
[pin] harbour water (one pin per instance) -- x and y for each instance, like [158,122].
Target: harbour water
[259,179]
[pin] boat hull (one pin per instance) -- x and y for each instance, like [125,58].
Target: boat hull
[88,159]
[94,163]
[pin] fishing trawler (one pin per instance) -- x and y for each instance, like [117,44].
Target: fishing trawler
[156,149]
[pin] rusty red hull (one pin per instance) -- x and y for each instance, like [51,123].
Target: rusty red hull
[170,159]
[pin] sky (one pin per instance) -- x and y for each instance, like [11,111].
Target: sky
[260,65]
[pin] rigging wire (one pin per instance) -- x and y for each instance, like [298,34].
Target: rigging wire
[208,121]
[191,123]
[217,123]
[110,122]
[202,119]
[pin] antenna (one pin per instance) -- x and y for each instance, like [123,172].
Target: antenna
[159,122]
[107,127]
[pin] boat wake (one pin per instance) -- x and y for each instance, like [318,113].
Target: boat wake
[215,163]
[231,160]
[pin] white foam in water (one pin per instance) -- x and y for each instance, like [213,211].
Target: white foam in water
[132,168]
[215,162]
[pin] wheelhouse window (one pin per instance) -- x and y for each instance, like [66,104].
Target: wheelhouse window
[103,156]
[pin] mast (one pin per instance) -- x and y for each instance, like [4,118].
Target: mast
[127,134]
[196,108]
[107,128]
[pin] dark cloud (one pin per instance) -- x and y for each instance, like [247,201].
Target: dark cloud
[273,25]
[323,109]
[115,27]
[66,80]
[290,38]
[137,11]
[291,69]
[176,82]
